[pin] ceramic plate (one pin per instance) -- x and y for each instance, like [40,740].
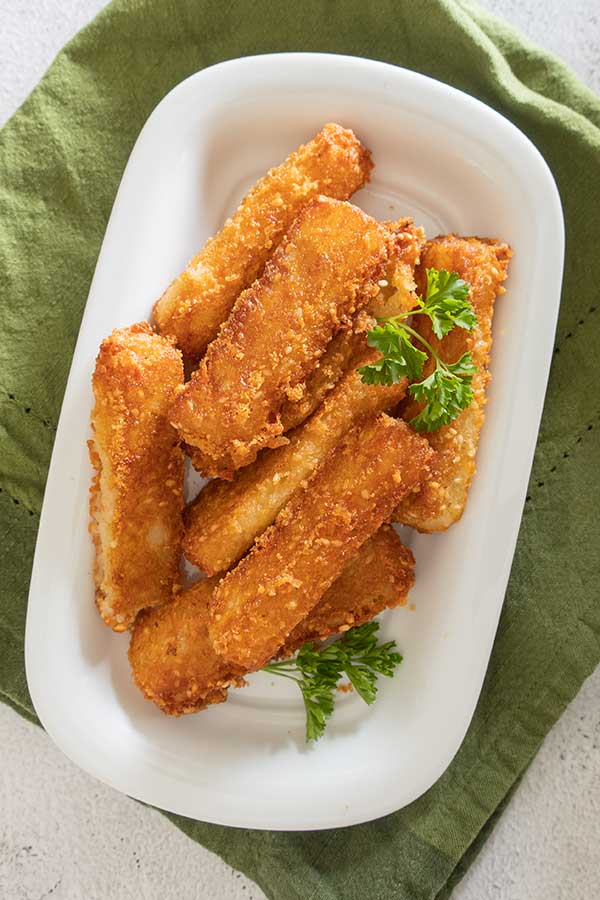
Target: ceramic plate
[453,164]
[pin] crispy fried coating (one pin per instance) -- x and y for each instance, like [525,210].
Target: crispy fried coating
[324,377]
[173,661]
[226,517]
[329,264]
[396,294]
[193,307]
[379,577]
[136,497]
[484,264]
[294,562]
[398,288]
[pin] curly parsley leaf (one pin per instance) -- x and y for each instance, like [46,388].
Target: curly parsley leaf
[447,302]
[318,703]
[400,358]
[317,670]
[447,391]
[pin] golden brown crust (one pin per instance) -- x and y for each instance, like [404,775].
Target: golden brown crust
[396,294]
[327,266]
[398,290]
[293,563]
[323,378]
[192,308]
[379,577]
[136,497]
[172,659]
[484,264]
[226,517]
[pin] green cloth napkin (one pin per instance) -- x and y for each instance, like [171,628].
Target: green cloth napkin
[61,157]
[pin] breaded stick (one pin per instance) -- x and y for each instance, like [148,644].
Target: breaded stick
[396,295]
[136,497]
[337,359]
[379,577]
[192,308]
[172,658]
[323,378]
[326,268]
[292,564]
[484,264]
[226,517]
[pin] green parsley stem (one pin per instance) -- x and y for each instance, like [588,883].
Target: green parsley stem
[405,315]
[440,362]
[276,670]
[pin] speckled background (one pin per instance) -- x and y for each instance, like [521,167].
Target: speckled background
[64,835]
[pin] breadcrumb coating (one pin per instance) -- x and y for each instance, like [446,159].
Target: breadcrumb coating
[396,294]
[328,265]
[294,562]
[379,577]
[226,517]
[325,375]
[172,659]
[484,265]
[193,307]
[136,496]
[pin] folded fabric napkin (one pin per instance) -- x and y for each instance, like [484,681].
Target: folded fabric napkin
[61,157]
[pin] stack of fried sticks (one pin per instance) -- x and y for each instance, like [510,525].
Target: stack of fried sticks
[308,463]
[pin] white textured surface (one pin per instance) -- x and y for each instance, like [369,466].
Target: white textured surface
[64,835]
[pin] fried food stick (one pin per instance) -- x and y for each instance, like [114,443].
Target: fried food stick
[323,379]
[226,517]
[379,577]
[396,295]
[293,563]
[136,496]
[327,267]
[172,658]
[484,264]
[192,308]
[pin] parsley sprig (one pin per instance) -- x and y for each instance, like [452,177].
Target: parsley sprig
[317,670]
[447,391]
